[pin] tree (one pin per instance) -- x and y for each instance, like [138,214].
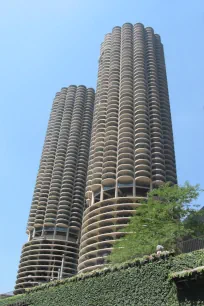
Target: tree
[165,217]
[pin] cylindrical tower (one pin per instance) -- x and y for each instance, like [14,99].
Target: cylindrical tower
[55,218]
[132,147]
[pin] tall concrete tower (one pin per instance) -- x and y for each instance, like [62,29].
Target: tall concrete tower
[58,202]
[132,148]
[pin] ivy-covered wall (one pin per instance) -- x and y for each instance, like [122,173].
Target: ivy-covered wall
[144,282]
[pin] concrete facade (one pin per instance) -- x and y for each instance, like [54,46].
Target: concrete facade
[132,148]
[58,202]
[128,150]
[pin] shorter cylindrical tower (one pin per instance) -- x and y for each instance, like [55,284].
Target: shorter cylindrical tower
[55,218]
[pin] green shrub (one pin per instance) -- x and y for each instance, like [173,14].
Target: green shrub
[141,282]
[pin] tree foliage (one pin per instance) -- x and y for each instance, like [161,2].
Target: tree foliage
[166,217]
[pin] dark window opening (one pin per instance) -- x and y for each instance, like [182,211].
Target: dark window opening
[109,194]
[141,192]
[125,191]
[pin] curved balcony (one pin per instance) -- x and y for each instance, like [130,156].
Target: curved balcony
[100,229]
[41,259]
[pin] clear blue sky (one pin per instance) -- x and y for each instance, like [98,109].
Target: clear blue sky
[48,44]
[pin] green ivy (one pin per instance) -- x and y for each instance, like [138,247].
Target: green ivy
[196,272]
[141,282]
